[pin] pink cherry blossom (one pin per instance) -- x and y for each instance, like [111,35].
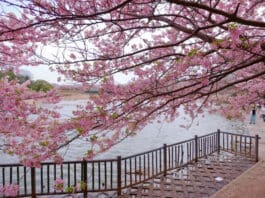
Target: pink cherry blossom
[9,190]
[199,55]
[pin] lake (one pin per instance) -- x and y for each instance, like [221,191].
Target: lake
[154,135]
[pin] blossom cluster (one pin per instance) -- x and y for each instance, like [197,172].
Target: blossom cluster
[10,190]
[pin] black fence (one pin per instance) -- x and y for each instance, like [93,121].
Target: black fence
[120,173]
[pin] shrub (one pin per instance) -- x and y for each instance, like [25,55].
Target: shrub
[40,85]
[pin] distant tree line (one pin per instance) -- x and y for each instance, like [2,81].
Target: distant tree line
[38,85]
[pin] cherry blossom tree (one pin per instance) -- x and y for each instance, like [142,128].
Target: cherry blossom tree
[198,54]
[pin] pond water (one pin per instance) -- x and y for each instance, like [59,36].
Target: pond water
[154,135]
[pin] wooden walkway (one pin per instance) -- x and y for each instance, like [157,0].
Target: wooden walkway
[201,179]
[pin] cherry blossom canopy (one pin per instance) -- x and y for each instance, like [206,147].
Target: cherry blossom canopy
[198,54]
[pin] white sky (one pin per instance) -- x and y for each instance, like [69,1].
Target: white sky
[43,72]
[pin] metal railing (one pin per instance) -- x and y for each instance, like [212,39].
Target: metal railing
[238,144]
[120,173]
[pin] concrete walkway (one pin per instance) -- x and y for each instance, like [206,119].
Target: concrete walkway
[250,184]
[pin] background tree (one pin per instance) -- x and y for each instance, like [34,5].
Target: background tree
[9,74]
[40,85]
[175,53]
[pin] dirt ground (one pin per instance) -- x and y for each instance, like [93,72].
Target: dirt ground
[250,184]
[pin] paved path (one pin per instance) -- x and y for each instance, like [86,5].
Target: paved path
[250,184]
[259,129]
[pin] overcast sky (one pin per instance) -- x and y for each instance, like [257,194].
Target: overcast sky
[43,72]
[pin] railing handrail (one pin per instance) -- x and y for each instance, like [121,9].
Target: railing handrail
[142,153]
[206,135]
[237,134]
[159,161]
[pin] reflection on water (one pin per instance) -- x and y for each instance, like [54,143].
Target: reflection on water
[154,135]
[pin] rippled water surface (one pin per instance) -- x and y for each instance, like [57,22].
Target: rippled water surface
[152,136]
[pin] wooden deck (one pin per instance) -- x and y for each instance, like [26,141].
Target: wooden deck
[201,179]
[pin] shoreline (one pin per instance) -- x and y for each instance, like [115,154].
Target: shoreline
[69,95]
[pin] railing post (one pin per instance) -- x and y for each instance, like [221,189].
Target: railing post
[84,179]
[196,148]
[257,147]
[33,182]
[119,176]
[165,158]
[218,141]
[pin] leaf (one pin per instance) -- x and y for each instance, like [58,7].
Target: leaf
[80,130]
[114,115]
[69,189]
[93,138]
